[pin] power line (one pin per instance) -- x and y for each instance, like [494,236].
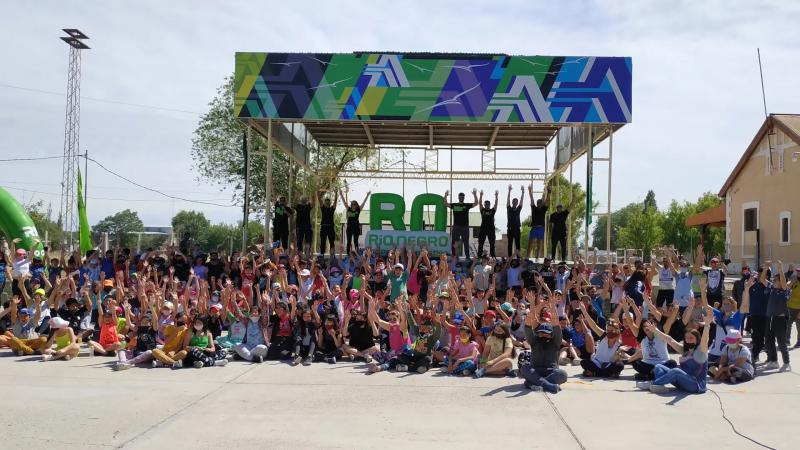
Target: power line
[98,198]
[103,100]
[156,190]
[31,159]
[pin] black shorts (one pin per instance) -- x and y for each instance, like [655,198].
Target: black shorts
[665,295]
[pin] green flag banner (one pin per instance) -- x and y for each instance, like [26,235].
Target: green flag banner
[83,222]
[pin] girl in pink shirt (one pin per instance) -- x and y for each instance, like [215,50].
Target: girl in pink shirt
[463,354]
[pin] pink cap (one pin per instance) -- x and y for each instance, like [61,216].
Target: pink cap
[353,294]
[22,251]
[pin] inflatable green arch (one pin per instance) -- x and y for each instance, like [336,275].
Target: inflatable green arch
[16,223]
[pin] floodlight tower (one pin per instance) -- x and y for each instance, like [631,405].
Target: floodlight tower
[72,131]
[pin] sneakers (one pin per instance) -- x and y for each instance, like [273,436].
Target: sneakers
[220,363]
[258,359]
[198,364]
[480,372]
[513,373]
[297,360]
[643,385]
[155,364]
[658,388]
[67,358]
[786,367]
[122,366]
[307,361]
[467,373]
[563,361]
[330,360]
[421,369]
[733,380]
[401,368]
[177,364]
[532,387]
[351,358]
[367,359]
[771,365]
[576,362]
[47,358]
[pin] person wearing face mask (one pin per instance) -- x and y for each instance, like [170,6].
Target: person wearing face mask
[353,212]
[498,353]
[145,344]
[606,360]
[329,341]
[544,339]
[727,318]
[735,363]
[305,335]
[463,354]
[254,346]
[514,277]
[690,376]
[199,345]
[172,353]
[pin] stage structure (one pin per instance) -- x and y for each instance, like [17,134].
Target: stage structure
[437,103]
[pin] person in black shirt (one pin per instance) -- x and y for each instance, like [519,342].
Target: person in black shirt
[460,229]
[280,222]
[538,213]
[558,230]
[353,229]
[215,269]
[487,224]
[303,224]
[74,313]
[327,231]
[513,208]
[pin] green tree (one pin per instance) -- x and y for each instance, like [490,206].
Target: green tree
[120,226]
[218,157]
[643,231]
[650,200]
[684,238]
[564,193]
[194,223]
[619,219]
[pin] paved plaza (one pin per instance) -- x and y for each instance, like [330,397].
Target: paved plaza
[83,404]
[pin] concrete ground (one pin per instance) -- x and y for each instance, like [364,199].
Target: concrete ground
[83,404]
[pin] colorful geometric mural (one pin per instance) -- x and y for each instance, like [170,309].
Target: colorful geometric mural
[433,87]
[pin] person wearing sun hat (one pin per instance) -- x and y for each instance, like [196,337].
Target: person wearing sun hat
[735,363]
[64,339]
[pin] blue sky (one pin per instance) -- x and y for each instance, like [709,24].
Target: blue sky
[696,94]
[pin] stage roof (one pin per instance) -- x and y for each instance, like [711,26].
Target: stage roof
[432,99]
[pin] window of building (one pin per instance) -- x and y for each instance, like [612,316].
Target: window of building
[750,219]
[785,230]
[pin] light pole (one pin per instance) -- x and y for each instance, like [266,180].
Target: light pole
[72,130]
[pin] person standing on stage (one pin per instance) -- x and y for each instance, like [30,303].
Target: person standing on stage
[538,213]
[280,222]
[327,231]
[558,230]
[513,209]
[303,224]
[460,230]
[353,212]
[487,224]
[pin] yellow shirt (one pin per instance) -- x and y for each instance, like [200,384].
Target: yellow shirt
[794,298]
[173,337]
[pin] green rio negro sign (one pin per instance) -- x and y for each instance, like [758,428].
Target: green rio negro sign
[390,207]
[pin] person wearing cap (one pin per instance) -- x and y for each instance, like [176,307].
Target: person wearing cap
[25,339]
[544,339]
[110,341]
[398,280]
[735,363]
[538,215]
[64,339]
[460,229]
